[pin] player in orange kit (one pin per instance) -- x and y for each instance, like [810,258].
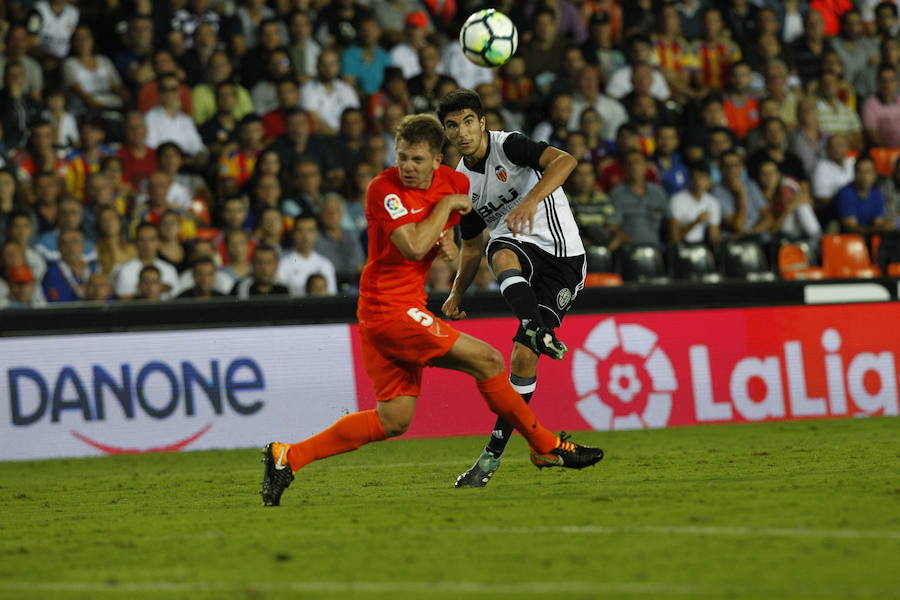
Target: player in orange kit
[409,208]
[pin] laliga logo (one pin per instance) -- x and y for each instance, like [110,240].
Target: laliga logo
[622,378]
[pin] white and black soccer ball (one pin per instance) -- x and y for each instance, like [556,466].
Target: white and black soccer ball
[488,38]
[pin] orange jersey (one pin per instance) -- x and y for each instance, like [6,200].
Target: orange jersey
[741,117]
[390,281]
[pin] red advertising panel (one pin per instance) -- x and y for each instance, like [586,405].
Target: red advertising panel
[665,369]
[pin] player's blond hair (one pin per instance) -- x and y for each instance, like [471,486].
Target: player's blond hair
[415,129]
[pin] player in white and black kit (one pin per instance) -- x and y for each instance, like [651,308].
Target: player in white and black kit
[532,244]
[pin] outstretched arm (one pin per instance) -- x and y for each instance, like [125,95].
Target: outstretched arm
[469,263]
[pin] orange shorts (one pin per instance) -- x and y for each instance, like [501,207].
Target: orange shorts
[396,349]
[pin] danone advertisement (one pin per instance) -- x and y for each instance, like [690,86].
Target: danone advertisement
[97,394]
[115,393]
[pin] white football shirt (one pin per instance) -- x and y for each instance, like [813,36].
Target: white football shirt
[499,182]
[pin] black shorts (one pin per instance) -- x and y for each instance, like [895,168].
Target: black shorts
[555,280]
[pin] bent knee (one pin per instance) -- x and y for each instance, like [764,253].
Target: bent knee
[523,360]
[491,362]
[394,422]
[395,427]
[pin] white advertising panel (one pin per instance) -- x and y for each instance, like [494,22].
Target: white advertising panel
[93,394]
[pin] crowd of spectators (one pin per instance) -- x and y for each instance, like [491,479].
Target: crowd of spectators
[160,149]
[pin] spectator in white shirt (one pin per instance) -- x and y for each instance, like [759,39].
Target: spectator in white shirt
[91,78]
[296,266]
[327,96]
[694,210]
[168,123]
[53,22]
[406,54]
[640,51]
[587,95]
[833,171]
[127,276]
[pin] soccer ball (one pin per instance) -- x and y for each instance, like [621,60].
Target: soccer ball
[488,38]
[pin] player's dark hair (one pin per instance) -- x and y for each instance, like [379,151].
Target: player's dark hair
[415,129]
[460,99]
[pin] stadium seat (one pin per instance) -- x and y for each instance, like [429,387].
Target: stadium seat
[884,159]
[886,250]
[794,262]
[745,259]
[599,259]
[602,280]
[694,262]
[845,256]
[642,263]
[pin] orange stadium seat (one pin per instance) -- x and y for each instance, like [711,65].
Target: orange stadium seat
[845,256]
[602,280]
[886,251]
[793,263]
[884,159]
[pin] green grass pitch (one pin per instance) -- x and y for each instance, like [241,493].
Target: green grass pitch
[783,510]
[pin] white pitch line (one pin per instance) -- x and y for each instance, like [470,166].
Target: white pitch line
[378,587]
[696,530]
[600,530]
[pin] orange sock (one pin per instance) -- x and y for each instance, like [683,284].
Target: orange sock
[348,433]
[506,402]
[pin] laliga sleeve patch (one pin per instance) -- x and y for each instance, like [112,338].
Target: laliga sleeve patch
[394,206]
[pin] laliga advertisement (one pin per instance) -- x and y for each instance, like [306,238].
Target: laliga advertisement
[665,369]
[81,395]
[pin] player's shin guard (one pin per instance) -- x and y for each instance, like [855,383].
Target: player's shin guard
[348,433]
[517,292]
[506,402]
[502,428]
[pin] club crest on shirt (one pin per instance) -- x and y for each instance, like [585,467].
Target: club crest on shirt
[563,298]
[394,207]
[500,172]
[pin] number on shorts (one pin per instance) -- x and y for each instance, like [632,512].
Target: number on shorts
[420,317]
